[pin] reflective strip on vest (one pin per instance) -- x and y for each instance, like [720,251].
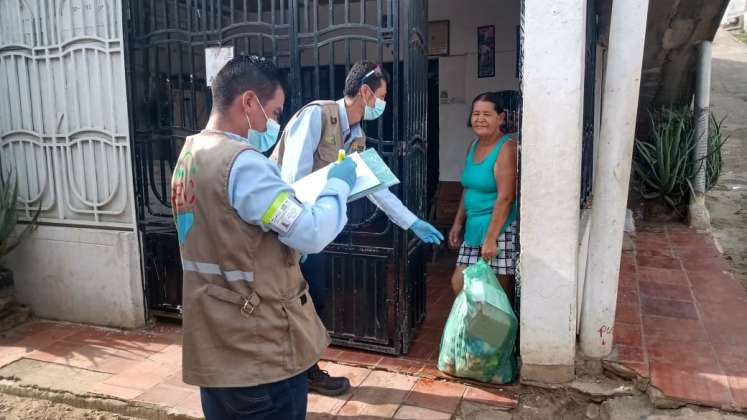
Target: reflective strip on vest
[215,269]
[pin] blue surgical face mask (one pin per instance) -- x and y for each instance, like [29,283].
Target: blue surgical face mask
[263,141]
[372,113]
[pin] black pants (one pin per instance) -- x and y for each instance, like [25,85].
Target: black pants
[280,400]
[314,272]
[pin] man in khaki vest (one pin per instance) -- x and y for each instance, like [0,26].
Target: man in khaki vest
[250,328]
[311,140]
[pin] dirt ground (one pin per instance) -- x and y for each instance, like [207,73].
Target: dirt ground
[727,202]
[535,404]
[15,408]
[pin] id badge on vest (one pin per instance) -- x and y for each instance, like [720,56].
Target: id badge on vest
[353,145]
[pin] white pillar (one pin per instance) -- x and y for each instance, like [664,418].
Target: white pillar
[702,113]
[620,105]
[552,90]
[698,215]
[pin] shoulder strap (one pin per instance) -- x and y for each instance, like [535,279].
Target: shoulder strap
[330,111]
[499,146]
[471,149]
[217,133]
[322,102]
[506,137]
[328,114]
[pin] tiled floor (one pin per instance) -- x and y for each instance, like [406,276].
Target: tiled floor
[681,318]
[681,321]
[145,367]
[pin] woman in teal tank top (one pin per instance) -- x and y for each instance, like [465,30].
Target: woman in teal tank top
[485,225]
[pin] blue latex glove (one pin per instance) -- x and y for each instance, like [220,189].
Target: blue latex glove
[345,171]
[426,232]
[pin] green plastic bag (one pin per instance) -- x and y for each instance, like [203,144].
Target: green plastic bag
[480,334]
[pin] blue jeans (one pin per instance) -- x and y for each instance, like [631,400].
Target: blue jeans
[280,400]
[313,271]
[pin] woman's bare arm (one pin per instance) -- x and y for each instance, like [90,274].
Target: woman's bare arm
[505,178]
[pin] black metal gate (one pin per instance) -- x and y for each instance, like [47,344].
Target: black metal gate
[377,289]
[590,79]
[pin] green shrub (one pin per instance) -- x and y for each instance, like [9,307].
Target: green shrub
[742,36]
[9,214]
[716,141]
[664,162]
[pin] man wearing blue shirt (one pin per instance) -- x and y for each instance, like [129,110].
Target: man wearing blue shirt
[312,140]
[250,328]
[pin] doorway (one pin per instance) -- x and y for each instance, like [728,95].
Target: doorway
[454,79]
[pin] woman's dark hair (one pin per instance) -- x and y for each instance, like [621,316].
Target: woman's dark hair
[493,98]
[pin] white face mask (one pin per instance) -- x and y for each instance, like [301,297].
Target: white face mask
[372,113]
[263,141]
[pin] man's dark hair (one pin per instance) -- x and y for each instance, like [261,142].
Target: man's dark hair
[492,97]
[242,73]
[354,80]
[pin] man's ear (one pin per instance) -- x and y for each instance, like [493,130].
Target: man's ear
[248,99]
[363,89]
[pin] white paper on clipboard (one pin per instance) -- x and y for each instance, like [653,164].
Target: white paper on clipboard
[309,187]
[215,59]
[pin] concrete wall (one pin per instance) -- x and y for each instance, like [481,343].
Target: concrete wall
[674,29]
[458,72]
[81,275]
[550,190]
[734,11]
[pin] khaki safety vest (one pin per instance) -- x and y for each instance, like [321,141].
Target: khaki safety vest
[248,318]
[331,141]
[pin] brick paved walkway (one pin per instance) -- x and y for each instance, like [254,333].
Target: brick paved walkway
[681,323]
[144,368]
[682,318]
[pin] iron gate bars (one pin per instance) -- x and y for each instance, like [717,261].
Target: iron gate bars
[377,295]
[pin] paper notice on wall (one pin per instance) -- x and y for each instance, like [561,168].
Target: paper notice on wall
[215,59]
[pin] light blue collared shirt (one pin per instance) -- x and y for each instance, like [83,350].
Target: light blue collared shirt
[254,183]
[305,132]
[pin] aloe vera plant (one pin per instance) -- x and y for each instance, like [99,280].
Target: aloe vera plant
[664,163]
[9,215]
[713,161]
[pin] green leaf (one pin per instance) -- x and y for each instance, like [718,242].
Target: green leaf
[9,214]
[663,161]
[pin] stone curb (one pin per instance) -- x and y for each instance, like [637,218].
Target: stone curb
[94,402]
